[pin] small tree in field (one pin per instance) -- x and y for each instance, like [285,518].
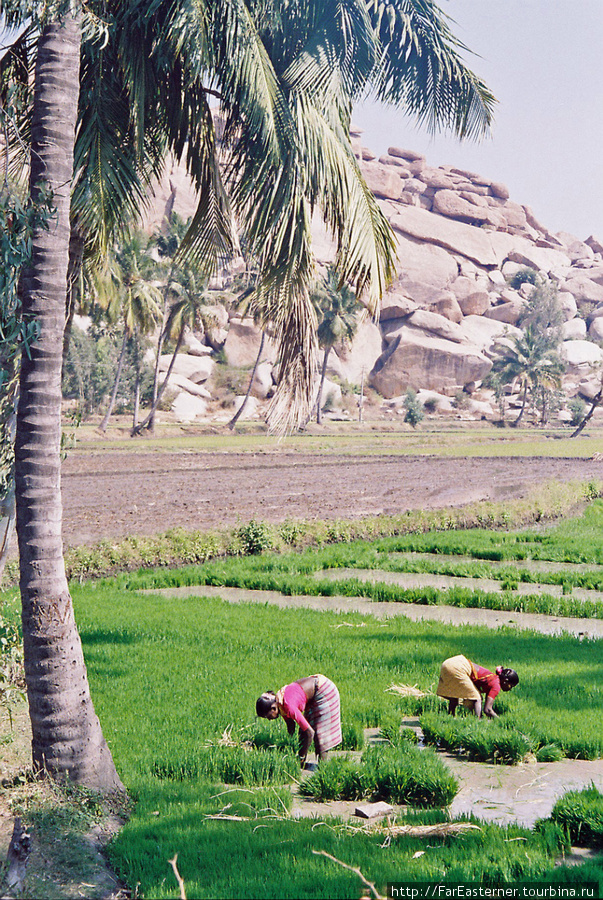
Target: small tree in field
[414,408]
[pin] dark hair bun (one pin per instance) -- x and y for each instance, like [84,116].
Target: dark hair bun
[510,676]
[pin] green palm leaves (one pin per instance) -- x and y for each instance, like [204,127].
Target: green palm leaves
[283,78]
[533,359]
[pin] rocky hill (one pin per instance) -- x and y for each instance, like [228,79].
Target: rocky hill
[461,239]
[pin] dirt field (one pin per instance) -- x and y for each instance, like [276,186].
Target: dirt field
[111,494]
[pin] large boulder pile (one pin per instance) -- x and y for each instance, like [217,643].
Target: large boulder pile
[460,241]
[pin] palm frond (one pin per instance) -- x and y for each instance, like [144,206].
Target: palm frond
[421,68]
[340,48]
[365,241]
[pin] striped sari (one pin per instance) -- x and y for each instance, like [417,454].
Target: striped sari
[323,714]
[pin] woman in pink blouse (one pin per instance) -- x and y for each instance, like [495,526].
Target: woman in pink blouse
[313,704]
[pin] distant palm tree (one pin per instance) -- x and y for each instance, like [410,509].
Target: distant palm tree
[530,358]
[185,313]
[129,297]
[337,310]
[168,243]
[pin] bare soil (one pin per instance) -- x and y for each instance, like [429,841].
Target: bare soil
[112,494]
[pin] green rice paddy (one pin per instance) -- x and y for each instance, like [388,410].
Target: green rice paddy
[174,681]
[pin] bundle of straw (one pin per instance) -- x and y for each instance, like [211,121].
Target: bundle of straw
[407,690]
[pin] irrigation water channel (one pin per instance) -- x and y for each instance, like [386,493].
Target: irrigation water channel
[495,793]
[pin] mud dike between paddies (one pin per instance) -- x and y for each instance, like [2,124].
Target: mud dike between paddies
[490,618]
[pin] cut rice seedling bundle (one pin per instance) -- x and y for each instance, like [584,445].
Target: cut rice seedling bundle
[402,775]
[441,829]
[477,739]
[581,813]
[406,690]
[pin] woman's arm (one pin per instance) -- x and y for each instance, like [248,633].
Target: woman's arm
[489,708]
[305,741]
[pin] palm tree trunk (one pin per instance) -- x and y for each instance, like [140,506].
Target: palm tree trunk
[160,341]
[361,398]
[164,384]
[112,399]
[239,411]
[595,402]
[76,256]
[323,375]
[136,401]
[523,404]
[67,740]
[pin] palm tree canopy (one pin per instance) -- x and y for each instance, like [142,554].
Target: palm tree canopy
[530,356]
[337,309]
[124,288]
[286,76]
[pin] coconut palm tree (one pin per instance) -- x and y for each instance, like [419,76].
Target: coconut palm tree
[530,358]
[285,84]
[189,298]
[286,78]
[338,310]
[66,733]
[167,244]
[128,296]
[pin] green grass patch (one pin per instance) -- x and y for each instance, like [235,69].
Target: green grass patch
[270,855]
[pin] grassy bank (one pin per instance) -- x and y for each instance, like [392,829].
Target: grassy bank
[576,540]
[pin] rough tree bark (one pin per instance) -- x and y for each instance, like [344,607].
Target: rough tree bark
[67,740]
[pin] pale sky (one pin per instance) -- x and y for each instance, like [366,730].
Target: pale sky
[543,60]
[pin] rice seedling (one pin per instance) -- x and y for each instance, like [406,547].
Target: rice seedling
[482,741]
[407,774]
[231,765]
[581,813]
[549,753]
[339,778]
[402,774]
[396,735]
[352,734]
